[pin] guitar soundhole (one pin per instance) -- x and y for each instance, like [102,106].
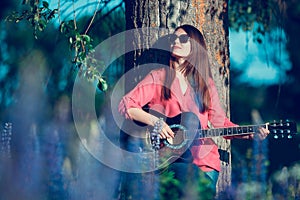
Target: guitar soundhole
[178,139]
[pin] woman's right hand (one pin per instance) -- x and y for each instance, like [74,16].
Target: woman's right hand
[147,118]
[166,132]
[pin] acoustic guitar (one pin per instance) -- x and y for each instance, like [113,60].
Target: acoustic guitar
[138,137]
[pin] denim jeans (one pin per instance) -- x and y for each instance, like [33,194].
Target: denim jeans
[213,176]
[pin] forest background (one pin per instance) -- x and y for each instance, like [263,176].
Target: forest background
[39,64]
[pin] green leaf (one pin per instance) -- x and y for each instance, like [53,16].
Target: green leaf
[102,84]
[86,38]
[52,14]
[45,4]
[42,24]
[81,55]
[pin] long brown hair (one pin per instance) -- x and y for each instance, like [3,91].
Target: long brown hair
[196,68]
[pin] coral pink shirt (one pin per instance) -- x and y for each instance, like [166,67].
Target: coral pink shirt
[148,91]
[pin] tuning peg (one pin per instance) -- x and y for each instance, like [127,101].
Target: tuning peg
[275,136]
[289,136]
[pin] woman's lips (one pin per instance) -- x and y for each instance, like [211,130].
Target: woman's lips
[176,47]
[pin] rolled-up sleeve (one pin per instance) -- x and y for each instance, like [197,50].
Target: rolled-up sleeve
[138,96]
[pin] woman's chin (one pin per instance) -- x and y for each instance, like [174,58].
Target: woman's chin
[178,55]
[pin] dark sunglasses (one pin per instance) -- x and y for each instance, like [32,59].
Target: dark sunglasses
[182,38]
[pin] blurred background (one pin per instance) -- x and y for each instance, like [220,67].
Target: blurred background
[41,154]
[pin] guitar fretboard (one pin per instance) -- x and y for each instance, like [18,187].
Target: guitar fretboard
[217,132]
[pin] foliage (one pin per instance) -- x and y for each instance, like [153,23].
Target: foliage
[282,184]
[278,22]
[286,183]
[249,16]
[61,63]
[169,186]
[172,188]
[39,15]
[84,59]
[256,16]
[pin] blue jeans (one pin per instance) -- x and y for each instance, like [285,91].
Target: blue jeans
[213,176]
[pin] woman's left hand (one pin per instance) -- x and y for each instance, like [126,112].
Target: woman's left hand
[262,133]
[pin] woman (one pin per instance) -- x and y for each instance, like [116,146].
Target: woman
[185,86]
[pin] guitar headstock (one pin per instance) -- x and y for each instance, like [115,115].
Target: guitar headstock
[282,129]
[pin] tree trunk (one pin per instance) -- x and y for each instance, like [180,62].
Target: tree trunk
[211,18]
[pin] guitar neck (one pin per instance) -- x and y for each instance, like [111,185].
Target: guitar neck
[232,131]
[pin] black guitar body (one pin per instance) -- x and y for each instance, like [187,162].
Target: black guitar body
[135,137]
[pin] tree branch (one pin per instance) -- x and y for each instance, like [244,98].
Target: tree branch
[105,15]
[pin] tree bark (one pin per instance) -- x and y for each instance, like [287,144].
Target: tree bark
[211,18]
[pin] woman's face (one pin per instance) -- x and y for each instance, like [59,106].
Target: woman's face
[180,44]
